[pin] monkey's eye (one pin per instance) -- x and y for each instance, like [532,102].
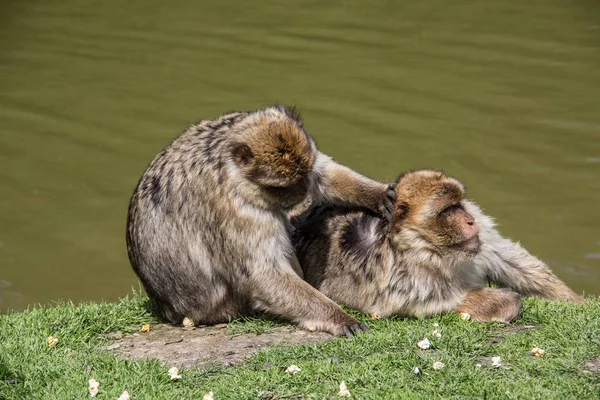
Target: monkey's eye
[451,208]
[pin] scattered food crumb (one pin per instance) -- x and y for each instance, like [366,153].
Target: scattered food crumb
[536,351]
[375,317]
[496,362]
[438,365]
[94,385]
[465,316]
[416,371]
[187,322]
[53,341]
[436,325]
[436,333]
[209,396]
[292,370]
[145,328]
[174,373]
[344,392]
[124,396]
[424,344]
[478,365]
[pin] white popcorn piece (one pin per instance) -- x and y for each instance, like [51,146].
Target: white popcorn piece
[209,396]
[496,362]
[465,316]
[416,371]
[53,341]
[436,325]
[424,344]
[94,385]
[438,365]
[187,322]
[344,392]
[536,351]
[124,396]
[478,365]
[292,370]
[174,373]
[436,333]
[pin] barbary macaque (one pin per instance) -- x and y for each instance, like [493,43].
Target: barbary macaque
[434,256]
[207,230]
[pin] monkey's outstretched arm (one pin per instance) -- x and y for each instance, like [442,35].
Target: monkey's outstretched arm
[338,184]
[508,264]
[279,290]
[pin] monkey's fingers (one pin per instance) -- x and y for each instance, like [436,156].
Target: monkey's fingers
[356,329]
[389,202]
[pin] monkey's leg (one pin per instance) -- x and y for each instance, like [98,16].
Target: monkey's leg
[281,292]
[487,305]
[509,264]
[297,267]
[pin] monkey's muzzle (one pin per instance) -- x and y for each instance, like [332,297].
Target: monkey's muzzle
[470,245]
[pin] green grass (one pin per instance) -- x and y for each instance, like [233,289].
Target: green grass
[374,366]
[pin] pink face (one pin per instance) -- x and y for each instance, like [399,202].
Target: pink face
[466,229]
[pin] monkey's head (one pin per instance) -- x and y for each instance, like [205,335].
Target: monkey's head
[275,153]
[429,211]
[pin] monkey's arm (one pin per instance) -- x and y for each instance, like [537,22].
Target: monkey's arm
[340,185]
[279,290]
[487,305]
[508,264]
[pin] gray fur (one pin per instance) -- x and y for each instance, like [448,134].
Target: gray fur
[211,241]
[391,268]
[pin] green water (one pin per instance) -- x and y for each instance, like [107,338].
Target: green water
[504,95]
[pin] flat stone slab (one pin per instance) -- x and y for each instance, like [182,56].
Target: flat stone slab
[592,366]
[203,346]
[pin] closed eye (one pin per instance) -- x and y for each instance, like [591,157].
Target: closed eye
[450,209]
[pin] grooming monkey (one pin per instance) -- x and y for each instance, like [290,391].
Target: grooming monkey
[207,230]
[434,256]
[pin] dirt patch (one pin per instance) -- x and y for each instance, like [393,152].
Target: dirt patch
[199,347]
[511,330]
[592,366]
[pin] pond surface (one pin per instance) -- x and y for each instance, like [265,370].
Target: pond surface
[504,95]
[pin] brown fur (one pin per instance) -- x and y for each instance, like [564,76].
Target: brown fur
[207,230]
[434,256]
[491,305]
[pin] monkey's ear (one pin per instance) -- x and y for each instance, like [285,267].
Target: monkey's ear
[242,155]
[400,213]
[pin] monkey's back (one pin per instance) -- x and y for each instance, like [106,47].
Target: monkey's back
[342,254]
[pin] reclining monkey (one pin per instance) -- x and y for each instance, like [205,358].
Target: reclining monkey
[434,256]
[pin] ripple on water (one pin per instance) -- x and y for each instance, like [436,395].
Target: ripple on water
[4,284]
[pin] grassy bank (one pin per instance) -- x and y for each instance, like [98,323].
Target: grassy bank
[377,365]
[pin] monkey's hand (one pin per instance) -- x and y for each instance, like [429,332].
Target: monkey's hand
[355,329]
[386,208]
